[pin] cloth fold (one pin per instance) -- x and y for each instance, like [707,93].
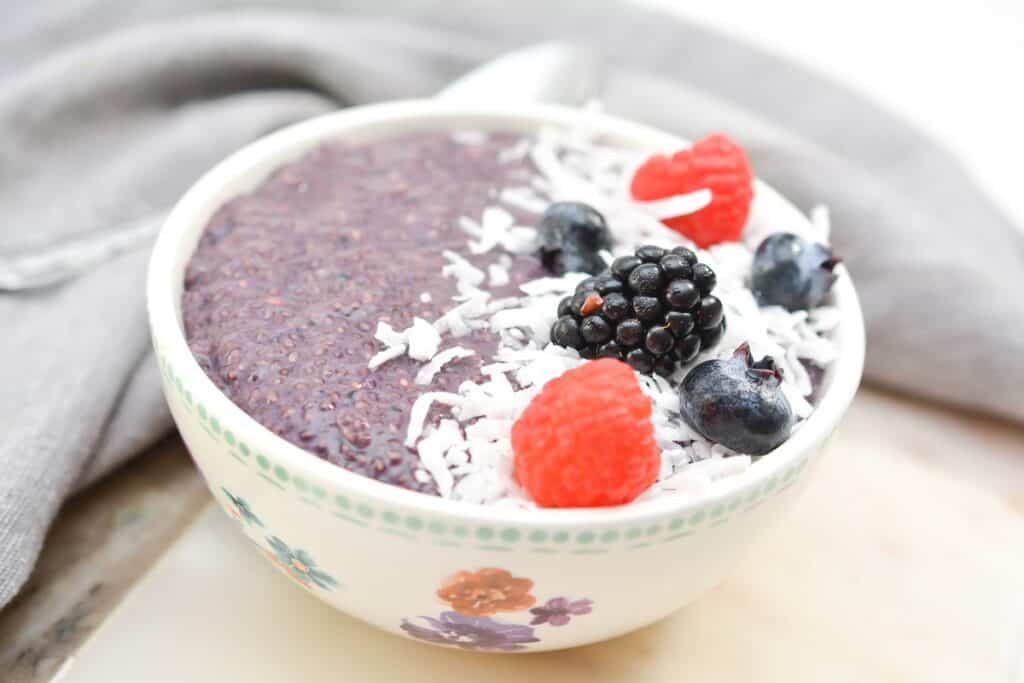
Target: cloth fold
[109,110]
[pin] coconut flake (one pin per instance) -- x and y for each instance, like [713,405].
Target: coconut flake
[427,373]
[497,275]
[423,340]
[420,408]
[432,449]
[676,205]
[468,277]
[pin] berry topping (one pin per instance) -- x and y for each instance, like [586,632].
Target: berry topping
[650,253]
[629,333]
[615,307]
[566,332]
[681,295]
[791,272]
[591,303]
[623,266]
[655,305]
[565,306]
[737,403]
[704,278]
[687,254]
[647,309]
[587,439]
[715,163]
[595,330]
[659,341]
[640,360]
[688,348]
[680,323]
[646,279]
[710,313]
[571,236]
[608,285]
[676,266]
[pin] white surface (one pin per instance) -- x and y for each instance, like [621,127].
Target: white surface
[953,67]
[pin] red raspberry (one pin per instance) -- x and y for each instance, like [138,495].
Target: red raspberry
[587,439]
[715,163]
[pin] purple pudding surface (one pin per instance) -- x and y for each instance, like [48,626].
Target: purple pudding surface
[287,285]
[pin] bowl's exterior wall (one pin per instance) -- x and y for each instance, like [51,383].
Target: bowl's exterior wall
[387,566]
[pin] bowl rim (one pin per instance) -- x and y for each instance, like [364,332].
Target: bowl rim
[166,269]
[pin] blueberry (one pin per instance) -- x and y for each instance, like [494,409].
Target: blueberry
[650,253]
[676,267]
[640,360]
[572,234]
[704,278]
[687,348]
[566,332]
[623,266]
[615,307]
[647,309]
[659,341]
[629,333]
[681,295]
[595,330]
[791,272]
[737,403]
[687,254]
[680,323]
[710,313]
[646,279]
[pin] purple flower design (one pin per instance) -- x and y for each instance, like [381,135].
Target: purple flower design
[471,633]
[559,611]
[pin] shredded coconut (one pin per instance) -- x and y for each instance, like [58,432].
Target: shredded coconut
[427,373]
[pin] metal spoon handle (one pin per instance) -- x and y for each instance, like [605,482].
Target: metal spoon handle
[57,263]
[548,72]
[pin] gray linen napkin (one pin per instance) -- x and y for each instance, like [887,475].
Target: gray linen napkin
[109,110]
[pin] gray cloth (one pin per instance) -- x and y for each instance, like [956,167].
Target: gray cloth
[108,111]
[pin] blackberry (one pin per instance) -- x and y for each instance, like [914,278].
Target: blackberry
[653,309]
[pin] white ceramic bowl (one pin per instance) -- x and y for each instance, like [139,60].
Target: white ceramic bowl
[382,553]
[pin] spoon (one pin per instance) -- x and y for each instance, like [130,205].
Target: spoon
[547,72]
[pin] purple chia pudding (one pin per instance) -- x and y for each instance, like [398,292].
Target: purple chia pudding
[289,282]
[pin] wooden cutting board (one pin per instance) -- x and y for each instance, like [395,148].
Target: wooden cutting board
[904,561]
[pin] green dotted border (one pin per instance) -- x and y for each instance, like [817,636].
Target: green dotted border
[490,538]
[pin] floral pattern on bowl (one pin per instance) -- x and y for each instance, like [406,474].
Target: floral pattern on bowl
[487,591]
[474,596]
[298,565]
[240,510]
[560,611]
[471,633]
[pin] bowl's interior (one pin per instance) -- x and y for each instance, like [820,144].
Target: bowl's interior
[245,170]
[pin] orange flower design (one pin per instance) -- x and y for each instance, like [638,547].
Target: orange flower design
[485,592]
